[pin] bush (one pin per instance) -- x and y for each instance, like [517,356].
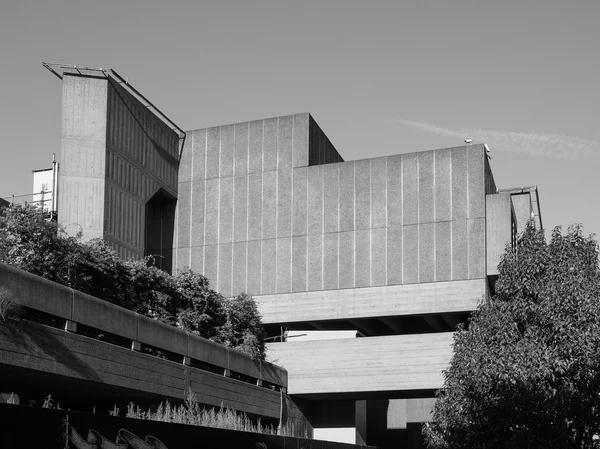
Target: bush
[30,242]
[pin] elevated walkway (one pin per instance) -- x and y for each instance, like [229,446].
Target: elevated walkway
[86,351]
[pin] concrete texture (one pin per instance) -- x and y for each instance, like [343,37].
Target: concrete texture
[115,156]
[360,365]
[63,302]
[333,303]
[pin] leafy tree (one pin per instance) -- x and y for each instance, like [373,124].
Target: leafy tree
[30,242]
[243,327]
[526,372]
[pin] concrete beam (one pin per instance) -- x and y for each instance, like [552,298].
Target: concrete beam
[400,363]
[392,300]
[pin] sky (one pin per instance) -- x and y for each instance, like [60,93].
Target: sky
[380,78]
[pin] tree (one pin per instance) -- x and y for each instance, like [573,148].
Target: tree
[32,243]
[526,371]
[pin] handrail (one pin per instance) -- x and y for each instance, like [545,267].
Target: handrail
[76,307]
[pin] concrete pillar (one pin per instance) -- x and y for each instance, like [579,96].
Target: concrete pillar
[360,411]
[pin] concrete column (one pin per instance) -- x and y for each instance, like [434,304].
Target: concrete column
[70,326]
[360,411]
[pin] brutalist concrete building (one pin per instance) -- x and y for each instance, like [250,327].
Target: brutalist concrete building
[400,248]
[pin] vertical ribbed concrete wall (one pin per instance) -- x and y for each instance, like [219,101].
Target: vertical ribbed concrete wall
[142,155]
[115,155]
[264,209]
[240,197]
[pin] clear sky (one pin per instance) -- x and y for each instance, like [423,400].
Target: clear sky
[379,77]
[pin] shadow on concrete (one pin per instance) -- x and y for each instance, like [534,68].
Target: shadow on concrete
[34,338]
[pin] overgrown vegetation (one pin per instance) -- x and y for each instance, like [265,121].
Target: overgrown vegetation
[30,242]
[526,372]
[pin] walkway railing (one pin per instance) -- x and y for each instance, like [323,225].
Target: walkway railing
[54,304]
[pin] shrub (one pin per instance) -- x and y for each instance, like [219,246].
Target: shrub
[32,243]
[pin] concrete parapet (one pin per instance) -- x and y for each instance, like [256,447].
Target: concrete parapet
[35,292]
[100,314]
[78,308]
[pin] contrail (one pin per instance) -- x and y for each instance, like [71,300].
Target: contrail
[556,146]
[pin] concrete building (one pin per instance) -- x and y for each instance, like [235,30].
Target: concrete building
[401,248]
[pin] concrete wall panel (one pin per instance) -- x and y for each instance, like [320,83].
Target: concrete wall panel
[459,183]
[183,258]
[362,188]
[300,139]
[255,146]
[443,185]
[184,211]
[269,205]
[212,212]
[269,266]
[363,258]
[426,186]
[378,192]
[378,256]
[315,200]
[196,259]
[284,265]
[443,251]
[211,265]
[499,228]
[199,139]
[460,264]
[254,267]
[347,261]
[225,210]
[270,144]
[299,256]
[330,261]
[255,206]
[346,198]
[476,248]
[284,203]
[394,255]
[225,286]
[239,267]
[476,182]
[198,199]
[410,254]
[285,128]
[426,252]
[299,202]
[240,160]
[213,152]
[227,151]
[315,262]
[240,209]
[331,192]
[410,189]
[185,163]
[394,190]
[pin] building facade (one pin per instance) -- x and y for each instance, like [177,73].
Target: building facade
[401,248]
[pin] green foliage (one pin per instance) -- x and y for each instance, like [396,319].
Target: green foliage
[526,372]
[30,242]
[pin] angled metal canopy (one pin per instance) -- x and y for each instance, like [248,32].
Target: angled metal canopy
[60,70]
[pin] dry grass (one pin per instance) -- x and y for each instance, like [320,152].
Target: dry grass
[191,413]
